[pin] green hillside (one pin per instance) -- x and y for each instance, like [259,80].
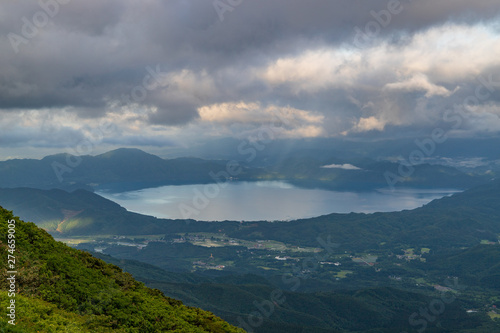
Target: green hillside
[463,219]
[60,289]
[78,212]
[354,308]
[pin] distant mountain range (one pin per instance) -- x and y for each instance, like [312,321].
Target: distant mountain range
[128,169]
[118,169]
[227,148]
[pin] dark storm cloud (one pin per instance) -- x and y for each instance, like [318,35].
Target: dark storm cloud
[93,53]
[173,113]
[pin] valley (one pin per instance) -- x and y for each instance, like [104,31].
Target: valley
[232,166]
[338,272]
[236,259]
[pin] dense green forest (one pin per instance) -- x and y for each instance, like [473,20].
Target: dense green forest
[370,299]
[60,289]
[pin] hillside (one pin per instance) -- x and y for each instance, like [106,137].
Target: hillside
[454,163]
[60,289]
[330,298]
[129,169]
[463,219]
[118,169]
[354,308]
[77,212]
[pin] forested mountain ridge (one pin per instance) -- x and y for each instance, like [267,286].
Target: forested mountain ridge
[463,219]
[77,212]
[60,289]
[128,169]
[119,169]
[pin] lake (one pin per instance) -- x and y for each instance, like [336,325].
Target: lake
[266,200]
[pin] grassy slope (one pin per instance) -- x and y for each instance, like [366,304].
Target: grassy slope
[80,212]
[61,289]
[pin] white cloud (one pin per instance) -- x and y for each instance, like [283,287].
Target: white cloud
[245,117]
[369,124]
[419,82]
[391,83]
[439,54]
[341,166]
[314,70]
[451,52]
[254,113]
[190,84]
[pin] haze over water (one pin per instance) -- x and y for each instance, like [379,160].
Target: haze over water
[267,200]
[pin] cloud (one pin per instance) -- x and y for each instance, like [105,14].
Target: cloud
[295,58]
[370,124]
[419,82]
[421,63]
[314,70]
[341,166]
[183,92]
[393,83]
[284,121]
[37,129]
[255,113]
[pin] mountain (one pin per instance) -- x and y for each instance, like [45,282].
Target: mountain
[478,265]
[415,252]
[118,169]
[455,163]
[128,169]
[343,148]
[63,289]
[361,174]
[463,219]
[77,212]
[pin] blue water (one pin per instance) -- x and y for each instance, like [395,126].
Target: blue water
[267,200]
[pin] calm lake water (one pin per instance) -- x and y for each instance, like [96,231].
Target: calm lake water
[267,200]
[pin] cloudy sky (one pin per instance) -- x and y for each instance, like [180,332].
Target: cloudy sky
[87,75]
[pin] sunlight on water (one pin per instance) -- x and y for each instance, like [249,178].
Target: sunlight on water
[266,200]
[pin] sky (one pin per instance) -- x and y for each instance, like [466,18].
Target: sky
[83,76]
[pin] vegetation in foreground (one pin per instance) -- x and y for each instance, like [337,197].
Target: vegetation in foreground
[60,289]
